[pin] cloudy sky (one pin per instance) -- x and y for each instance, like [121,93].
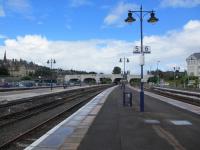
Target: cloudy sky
[91,35]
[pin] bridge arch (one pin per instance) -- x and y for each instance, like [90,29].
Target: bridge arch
[117,80]
[105,80]
[90,80]
[74,81]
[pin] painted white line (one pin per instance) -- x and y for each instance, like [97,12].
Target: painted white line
[181,122]
[151,121]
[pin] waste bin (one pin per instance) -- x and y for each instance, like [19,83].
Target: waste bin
[127,99]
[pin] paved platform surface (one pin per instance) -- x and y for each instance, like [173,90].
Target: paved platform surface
[68,134]
[15,95]
[161,127]
[180,104]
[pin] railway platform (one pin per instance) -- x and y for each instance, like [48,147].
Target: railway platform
[106,124]
[22,94]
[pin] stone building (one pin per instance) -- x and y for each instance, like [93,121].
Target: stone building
[18,68]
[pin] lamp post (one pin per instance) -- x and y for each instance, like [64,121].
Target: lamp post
[158,77]
[51,62]
[175,69]
[141,13]
[124,60]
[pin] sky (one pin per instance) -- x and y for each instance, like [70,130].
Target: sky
[91,35]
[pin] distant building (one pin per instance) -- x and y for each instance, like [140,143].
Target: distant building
[193,64]
[18,68]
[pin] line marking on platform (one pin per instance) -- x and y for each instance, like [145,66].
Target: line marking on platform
[151,121]
[180,122]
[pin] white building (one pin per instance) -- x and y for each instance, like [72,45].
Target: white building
[193,64]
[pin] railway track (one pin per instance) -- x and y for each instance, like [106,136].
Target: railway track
[37,98]
[29,124]
[185,96]
[25,103]
[11,118]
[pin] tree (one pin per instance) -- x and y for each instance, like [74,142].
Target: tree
[116,70]
[105,81]
[26,78]
[4,71]
[43,71]
[92,72]
[153,79]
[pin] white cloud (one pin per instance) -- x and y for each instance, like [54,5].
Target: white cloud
[191,25]
[19,6]
[102,55]
[180,3]
[97,55]
[118,13]
[176,46]
[78,3]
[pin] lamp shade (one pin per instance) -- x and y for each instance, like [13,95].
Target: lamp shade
[130,18]
[152,19]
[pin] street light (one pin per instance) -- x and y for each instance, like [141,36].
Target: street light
[175,69]
[51,61]
[125,60]
[141,13]
[158,77]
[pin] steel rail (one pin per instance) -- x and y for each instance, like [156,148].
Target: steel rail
[180,97]
[18,116]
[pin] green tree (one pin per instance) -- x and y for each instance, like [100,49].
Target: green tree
[43,71]
[26,78]
[135,82]
[4,71]
[105,81]
[153,79]
[92,72]
[116,70]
